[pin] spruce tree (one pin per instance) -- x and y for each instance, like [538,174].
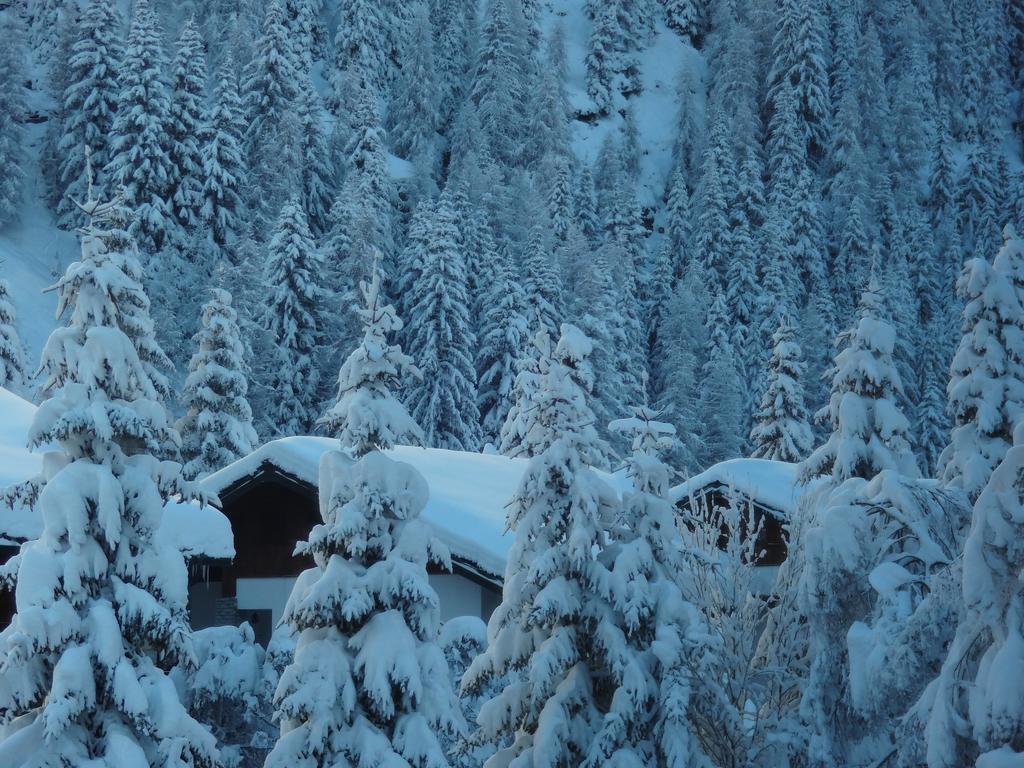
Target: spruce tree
[269,92]
[101,603]
[503,332]
[687,18]
[986,386]
[603,58]
[13,111]
[542,283]
[368,190]
[89,106]
[869,432]
[977,709]
[498,86]
[649,712]
[369,683]
[597,313]
[414,112]
[782,430]
[798,58]
[444,402]
[12,354]
[720,390]
[553,635]
[711,236]
[291,317]
[217,426]
[362,45]
[188,88]
[140,152]
[317,179]
[223,165]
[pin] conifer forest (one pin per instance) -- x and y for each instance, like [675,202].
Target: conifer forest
[511,383]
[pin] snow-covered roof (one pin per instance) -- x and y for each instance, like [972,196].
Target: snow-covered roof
[194,530]
[468,491]
[772,484]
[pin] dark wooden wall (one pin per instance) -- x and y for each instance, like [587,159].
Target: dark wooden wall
[771,533]
[268,517]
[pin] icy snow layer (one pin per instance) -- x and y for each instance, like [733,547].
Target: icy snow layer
[34,252]
[771,483]
[193,530]
[468,491]
[662,64]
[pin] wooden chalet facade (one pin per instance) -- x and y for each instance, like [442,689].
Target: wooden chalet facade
[767,489]
[271,509]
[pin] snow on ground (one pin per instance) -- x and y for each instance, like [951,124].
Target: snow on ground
[469,492]
[771,483]
[194,530]
[662,65]
[33,254]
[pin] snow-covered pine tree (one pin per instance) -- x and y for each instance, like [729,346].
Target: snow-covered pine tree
[712,245]
[318,183]
[977,704]
[661,632]
[90,103]
[140,159]
[687,17]
[452,48]
[369,683]
[553,633]
[12,354]
[498,80]
[269,92]
[675,365]
[782,429]
[13,111]
[720,390]
[503,332]
[541,282]
[413,114]
[798,58]
[366,195]
[223,167]
[292,318]
[188,89]
[869,432]
[444,401]
[366,416]
[362,45]
[217,426]
[598,314]
[986,387]
[101,599]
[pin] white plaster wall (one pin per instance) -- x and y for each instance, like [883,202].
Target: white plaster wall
[273,593]
[459,596]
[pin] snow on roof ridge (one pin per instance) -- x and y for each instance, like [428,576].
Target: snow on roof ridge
[772,483]
[193,529]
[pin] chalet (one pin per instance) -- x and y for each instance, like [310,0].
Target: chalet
[767,488]
[270,499]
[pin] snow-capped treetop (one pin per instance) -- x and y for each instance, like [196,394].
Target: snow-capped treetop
[869,432]
[217,425]
[367,416]
[781,430]
[107,308]
[649,439]
[556,407]
[12,356]
[986,388]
